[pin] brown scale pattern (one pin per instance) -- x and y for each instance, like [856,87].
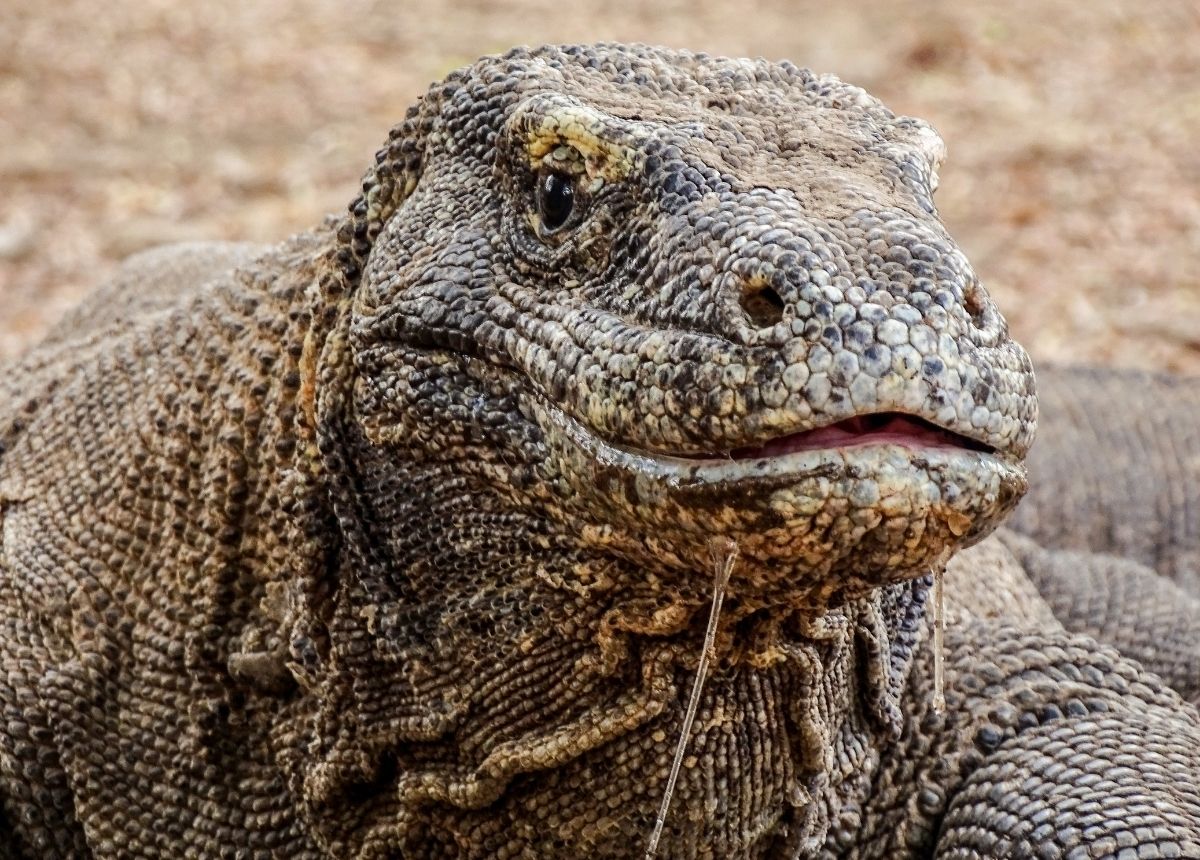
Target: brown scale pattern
[133,573]
[393,540]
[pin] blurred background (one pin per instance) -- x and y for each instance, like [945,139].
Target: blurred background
[1073,181]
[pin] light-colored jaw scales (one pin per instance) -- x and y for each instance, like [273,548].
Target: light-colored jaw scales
[813,528]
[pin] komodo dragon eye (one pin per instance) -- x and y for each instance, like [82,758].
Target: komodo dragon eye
[556,199]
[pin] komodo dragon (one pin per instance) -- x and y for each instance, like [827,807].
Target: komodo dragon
[395,540]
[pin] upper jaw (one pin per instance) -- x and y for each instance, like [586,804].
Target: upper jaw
[693,396]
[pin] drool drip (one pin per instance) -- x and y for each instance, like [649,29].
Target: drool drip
[724,552]
[939,636]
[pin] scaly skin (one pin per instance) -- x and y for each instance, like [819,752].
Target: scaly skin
[394,540]
[1116,505]
[1120,473]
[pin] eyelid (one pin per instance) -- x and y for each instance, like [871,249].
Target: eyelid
[585,183]
[548,121]
[564,158]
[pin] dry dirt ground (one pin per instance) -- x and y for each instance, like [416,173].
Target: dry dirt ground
[1074,132]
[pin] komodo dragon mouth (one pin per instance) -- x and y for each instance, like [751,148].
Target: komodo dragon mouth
[851,447]
[880,428]
[817,514]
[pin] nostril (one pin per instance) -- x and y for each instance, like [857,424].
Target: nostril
[763,305]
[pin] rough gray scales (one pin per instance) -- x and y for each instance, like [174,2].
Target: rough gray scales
[1115,489]
[392,540]
[1119,469]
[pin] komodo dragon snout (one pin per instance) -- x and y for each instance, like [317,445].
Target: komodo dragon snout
[734,311]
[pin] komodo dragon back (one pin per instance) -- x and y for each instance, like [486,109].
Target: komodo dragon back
[393,540]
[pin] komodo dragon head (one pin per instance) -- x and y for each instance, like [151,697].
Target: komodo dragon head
[595,307]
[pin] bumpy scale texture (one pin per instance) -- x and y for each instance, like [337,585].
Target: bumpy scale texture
[1120,471]
[394,540]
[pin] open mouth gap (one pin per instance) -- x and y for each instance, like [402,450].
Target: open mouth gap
[878,428]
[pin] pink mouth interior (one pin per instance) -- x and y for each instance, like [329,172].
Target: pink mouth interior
[879,429]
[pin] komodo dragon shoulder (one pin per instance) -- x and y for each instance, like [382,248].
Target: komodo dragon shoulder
[396,539]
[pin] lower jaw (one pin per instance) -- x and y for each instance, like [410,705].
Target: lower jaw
[811,526]
[826,538]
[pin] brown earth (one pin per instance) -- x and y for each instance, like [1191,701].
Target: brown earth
[1074,132]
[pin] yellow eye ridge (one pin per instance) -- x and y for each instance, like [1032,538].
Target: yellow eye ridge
[545,123]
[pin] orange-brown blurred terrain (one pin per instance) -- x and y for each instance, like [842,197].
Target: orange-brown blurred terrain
[1074,132]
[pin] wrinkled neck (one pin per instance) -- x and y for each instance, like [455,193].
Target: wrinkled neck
[492,659]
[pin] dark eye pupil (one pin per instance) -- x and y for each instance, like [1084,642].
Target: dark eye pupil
[556,197]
